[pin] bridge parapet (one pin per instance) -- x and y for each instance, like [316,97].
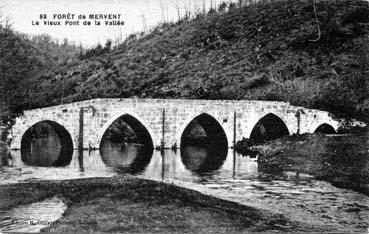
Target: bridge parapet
[166,119]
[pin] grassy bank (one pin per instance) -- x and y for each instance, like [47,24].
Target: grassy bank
[126,204]
[341,160]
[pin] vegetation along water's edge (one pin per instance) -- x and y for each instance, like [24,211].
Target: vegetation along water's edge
[267,51]
[127,204]
[342,160]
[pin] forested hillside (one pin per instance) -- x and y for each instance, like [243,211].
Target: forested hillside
[22,60]
[269,51]
[19,60]
[62,53]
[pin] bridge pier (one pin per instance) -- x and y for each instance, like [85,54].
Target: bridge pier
[162,143]
[166,119]
[80,130]
[234,129]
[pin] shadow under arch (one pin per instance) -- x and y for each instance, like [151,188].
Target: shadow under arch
[268,128]
[47,143]
[325,129]
[204,144]
[126,145]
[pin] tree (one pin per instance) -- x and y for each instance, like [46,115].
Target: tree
[19,62]
[107,47]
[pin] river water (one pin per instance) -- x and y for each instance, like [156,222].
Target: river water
[32,217]
[230,176]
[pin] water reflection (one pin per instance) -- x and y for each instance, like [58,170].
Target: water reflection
[6,159]
[231,176]
[201,159]
[127,157]
[133,159]
[42,156]
[32,217]
[203,145]
[46,144]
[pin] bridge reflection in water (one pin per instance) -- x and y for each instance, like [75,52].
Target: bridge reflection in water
[234,177]
[191,166]
[46,144]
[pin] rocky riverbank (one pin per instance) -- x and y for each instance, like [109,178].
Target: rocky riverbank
[342,160]
[127,204]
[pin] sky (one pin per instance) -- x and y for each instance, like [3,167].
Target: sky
[136,14]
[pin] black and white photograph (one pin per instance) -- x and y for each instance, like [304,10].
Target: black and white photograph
[184,116]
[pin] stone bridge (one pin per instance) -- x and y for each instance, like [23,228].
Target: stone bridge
[165,120]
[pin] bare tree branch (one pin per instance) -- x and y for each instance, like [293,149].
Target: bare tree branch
[317,22]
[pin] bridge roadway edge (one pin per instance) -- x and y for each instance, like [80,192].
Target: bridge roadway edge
[236,117]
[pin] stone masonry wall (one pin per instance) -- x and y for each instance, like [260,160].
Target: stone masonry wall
[237,118]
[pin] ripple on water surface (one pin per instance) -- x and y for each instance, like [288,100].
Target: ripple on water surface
[297,196]
[32,217]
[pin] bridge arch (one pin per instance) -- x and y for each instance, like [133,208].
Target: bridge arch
[135,122]
[50,151]
[325,129]
[269,127]
[203,144]
[210,125]
[23,124]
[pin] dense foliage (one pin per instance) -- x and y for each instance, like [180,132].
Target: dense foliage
[60,53]
[268,51]
[19,60]
[97,51]
[22,60]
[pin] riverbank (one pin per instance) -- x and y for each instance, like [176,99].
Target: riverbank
[127,204]
[342,160]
